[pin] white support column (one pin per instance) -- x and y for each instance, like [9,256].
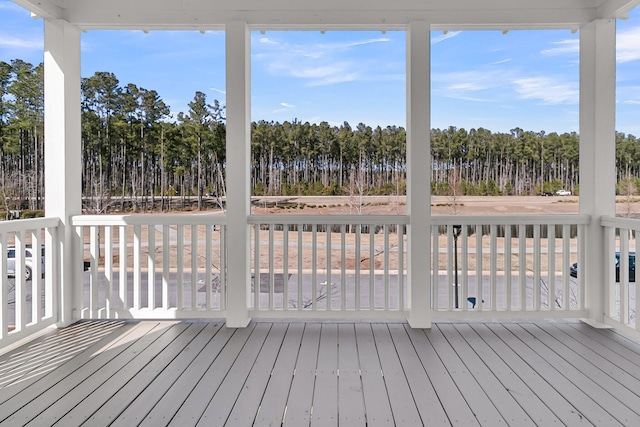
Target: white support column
[63,192]
[597,152]
[238,48]
[419,173]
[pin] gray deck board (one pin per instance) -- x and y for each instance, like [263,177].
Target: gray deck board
[453,402]
[298,411]
[500,395]
[62,382]
[103,384]
[133,412]
[184,373]
[524,344]
[248,402]
[350,397]
[209,382]
[376,398]
[591,379]
[474,395]
[325,396]
[543,391]
[424,394]
[276,394]
[164,409]
[402,403]
[225,398]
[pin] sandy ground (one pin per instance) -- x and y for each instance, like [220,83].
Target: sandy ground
[385,253]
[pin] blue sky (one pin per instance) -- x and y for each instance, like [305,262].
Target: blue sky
[526,79]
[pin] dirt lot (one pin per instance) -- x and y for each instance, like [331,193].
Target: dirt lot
[440,205]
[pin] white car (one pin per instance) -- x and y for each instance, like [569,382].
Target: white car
[28,262]
[563,193]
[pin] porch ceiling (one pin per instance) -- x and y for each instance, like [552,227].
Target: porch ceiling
[328,14]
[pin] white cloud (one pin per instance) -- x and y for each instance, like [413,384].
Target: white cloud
[563,47]
[628,45]
[268,41]
[504,61]
[20,43]
[223,92]
[285,105]
[547,90]
[444,36]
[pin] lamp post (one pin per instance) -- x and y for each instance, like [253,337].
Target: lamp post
[457,229]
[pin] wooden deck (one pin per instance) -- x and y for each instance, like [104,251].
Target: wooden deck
[154,373]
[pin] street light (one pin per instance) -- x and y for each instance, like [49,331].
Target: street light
[457,229]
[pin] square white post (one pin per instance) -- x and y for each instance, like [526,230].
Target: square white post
[238,53]
[597,153]
[419,173]
[62,154]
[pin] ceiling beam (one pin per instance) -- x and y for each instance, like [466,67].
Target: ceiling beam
[42,8]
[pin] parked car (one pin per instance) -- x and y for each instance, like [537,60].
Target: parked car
[563,193]
[573,270]
[28,262]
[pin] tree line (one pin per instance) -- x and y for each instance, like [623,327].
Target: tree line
[137,156]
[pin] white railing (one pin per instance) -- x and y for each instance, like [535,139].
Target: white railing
[29,283]
[621,302]
[507,266]
[328,266]
[153,265]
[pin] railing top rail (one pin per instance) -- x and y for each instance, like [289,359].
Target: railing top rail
[329,219]
[28,224]
[150,219]
[614,221]
[510,219]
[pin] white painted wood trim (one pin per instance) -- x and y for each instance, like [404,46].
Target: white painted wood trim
[419,172]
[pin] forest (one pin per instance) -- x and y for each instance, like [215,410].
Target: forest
[137,156]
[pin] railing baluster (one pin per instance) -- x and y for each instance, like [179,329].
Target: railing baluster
[151,266]
[328,265]
[372,262]
[180,267]
[493,260]
[19,282]
[108,270]
[566,264]
[479,290]
[36,278]
[435,267]
[581,264]
[522,264]
[271,267]
[208,264]
[166,257]
[314,266]
[401,267]
[537,286]
[94,254]
[343,267]
[300,244]
[4,288]
[256,266]
[464,267]
[194,267]
[507,267]
[137,267]
[358,264]
[122,264]
[451,278]
[624,275]
[551,262]
[285,266]
[386,266]
[223,270]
